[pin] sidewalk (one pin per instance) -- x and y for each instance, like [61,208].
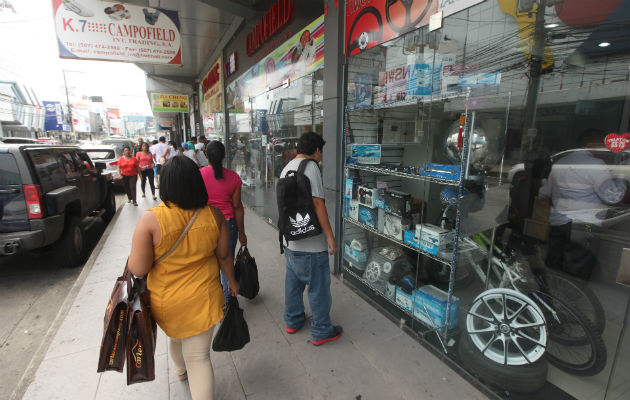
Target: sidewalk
[374,359]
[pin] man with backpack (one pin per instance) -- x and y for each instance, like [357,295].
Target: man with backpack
[304,226]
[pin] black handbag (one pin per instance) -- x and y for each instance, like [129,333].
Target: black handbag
[246,273]
[233,334]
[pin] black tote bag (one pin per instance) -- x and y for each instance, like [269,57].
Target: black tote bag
[233,333]
[246,273]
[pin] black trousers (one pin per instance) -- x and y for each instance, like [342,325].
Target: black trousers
[129,183]
[147,173]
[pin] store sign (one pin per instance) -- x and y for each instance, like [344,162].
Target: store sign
[161,102]
[617,143]
[371,22]
[275,19]
[104,30]
[212,90]
[302,54]
[54,116]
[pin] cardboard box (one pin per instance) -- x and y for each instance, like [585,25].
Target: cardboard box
[430,307]
[367,195]
[394,226]
[536,229]
[368,216]
[366,153]
[353,209]
[405,300]
[353,254]
[433,239]
[441,171]
[397,203]
[409,237]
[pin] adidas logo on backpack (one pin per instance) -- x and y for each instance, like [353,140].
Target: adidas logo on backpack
[295,207]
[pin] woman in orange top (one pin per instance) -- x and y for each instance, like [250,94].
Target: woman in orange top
[146,168]
[129,168]
[186,294]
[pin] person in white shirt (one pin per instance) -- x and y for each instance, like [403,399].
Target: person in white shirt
[174,151]
[199,151]
[160,154]
[188,151]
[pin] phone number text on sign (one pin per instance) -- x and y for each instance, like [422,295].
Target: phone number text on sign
[117,32]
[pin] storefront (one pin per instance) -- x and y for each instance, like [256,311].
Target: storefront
[477,171]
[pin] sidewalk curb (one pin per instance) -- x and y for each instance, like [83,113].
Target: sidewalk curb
[42,349]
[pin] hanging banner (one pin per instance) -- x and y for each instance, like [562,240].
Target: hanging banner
[105,30]
[54,116]
[369,23]
[161,102]
[302,54]
[212,90]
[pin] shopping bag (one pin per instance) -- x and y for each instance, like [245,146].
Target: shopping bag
[246,273]
[112,353]
[141,336]
[233,333]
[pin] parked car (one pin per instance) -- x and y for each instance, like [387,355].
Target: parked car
[120,143]
[108,154]
[8,140]
[47,194]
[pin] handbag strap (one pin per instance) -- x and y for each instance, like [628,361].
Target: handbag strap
[181,237]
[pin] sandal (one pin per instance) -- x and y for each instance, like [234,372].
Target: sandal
[183,376]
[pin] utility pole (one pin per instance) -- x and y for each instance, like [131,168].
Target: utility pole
[65,85]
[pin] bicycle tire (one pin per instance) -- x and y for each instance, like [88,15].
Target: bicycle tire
[576,293]
[587,342]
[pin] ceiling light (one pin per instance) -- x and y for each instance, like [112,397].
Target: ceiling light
[604,44]
[550,26]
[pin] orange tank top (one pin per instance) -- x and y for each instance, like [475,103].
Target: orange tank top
[186,294]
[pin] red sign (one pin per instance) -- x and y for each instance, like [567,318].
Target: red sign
[618,143]
[213,77]
[277,17]
[371,22]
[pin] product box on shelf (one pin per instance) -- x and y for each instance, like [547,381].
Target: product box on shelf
[368,216]
[405,300]
[353,209]
[393,225]
[432,238]
[441,171]
[355,251]
[397,203]
[351,189]
[409,237]
[430,307]
[366,153]
[367,195]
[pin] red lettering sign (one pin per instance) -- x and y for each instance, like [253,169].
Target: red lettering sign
[275,19]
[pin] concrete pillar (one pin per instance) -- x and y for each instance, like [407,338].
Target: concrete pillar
[333,117]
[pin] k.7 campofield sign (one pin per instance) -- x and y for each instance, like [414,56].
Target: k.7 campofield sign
[104,30]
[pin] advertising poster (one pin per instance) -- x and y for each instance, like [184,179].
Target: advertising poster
[212,89]
[54,116]
[169,102]
[107,30]
[302,54]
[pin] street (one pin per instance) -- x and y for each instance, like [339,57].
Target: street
[33,291]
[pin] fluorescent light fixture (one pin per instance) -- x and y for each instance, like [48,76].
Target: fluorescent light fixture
[550,26]
[604,44]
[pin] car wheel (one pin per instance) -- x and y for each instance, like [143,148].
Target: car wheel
[110,205]
[70,248]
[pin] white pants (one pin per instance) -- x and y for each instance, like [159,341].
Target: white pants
[192,355]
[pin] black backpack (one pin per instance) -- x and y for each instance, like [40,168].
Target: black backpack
[297,219]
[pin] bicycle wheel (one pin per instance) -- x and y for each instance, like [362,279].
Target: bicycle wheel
[574,345]
[575,293]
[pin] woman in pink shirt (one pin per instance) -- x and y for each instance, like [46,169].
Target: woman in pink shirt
[224,192]
[146,168]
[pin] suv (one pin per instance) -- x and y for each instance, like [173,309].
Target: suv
[46,194]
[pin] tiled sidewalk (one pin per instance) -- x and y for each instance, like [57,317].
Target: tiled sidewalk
[374,359]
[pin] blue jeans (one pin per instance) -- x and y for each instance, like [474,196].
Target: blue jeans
[312,269]
[233,240]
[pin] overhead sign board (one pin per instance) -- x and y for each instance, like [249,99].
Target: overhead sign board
[104,30]
[212,89]
[162,102]
[54,116]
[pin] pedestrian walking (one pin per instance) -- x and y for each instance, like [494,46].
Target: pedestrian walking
[200,151]
[224,192]
[186,295]
[145,158]
[174,151]
[189,151]
[129,168]
[160,153]
[307,259]
[138,146]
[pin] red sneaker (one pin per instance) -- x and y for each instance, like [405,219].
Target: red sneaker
[336,334]
[291,331]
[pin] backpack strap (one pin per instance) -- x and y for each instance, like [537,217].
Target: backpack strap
[303,165]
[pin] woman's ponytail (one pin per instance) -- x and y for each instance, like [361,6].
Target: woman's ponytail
[216,154]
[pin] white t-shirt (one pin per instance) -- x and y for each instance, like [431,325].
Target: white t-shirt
[158,151]
[191,154]
[203,161]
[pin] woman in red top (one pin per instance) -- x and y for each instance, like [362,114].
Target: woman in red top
[224,192]
[145,158]
[129,168]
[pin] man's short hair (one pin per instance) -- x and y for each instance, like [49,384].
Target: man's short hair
[181,184]
[162,139]
[202,138]
[309,143]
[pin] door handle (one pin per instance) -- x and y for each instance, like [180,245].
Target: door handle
[9,191]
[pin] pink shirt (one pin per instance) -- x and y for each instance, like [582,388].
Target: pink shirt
[220,190]
[145,160]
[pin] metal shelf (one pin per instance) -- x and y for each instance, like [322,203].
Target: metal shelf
[405,175]
[399,242]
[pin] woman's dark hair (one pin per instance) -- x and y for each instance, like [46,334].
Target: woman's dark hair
[174,144]
[181,184]
[216,154]
[144,144]
[126,147]
[309,143]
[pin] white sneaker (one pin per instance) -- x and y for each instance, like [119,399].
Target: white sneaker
[77,8]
